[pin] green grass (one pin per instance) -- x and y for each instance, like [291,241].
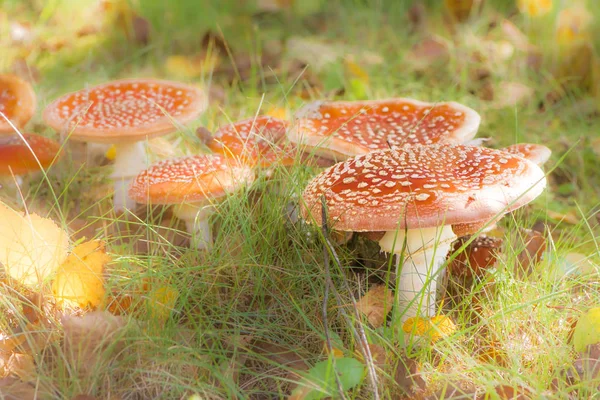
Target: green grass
[264,279]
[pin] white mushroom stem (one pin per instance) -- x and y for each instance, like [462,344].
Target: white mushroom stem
[426,250]
[195,216]
[130,160]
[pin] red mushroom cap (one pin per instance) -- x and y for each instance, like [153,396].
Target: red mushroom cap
[125,110]
[536,153]
[422,186]
[17,102]
[259,140]
[189,179]
[479,256]
[344,129]
[17,159]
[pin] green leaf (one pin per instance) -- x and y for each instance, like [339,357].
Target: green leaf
[320,381]
[587,330]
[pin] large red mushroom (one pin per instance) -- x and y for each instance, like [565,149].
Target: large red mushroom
[17,102]
[416,194]
[125,113]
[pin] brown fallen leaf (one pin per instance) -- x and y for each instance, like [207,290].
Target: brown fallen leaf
[506,392]
[570,217]
[286,358]
[91,339]
[531,255]
[21,366]
[409,382]
[587,365]
[12,388]
[376,304]
[455,390]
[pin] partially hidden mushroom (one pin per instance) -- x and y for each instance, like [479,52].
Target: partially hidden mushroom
[416,194]
[193,185]
[29,153]
[338,130]
[125,113]
[17,102]
[536,153]
[256,141]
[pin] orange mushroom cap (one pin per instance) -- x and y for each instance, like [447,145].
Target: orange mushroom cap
[17,102]
[16,158]
[536,153]
[344,129]
[422,186]
[189,179]
[259,140]
[126,110]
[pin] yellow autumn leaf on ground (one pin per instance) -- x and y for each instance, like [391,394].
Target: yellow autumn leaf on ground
[587,330]
[277,112]
[436,328]
[161,302]
[375,304]
[79,281]
[573,25]
[191,67]
[356,71]
[31,247]
[534,8]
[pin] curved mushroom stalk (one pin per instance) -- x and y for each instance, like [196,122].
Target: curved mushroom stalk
[131,159]
[425,252]
[195,216]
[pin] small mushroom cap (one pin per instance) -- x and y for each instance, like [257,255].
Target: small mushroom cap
[189,179]
[17,159]
[343,129]
[422,186]
[479,256]
[536,153]
[127,110]
[259,140]
[17,102]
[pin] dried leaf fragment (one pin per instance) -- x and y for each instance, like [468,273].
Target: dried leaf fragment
[80,281]
[435,328]
[375,304]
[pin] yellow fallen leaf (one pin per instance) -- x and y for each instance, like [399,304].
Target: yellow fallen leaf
[111,153]
[375,304]
[277,112]
[161,302]
[587,330]
[534,8]
[436,327]
[31,247]
[79,281]
[570,217]
[356,71]
[573,25]
[190,67]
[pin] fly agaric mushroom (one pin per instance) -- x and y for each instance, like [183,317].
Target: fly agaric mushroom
[192,185]
[416,194]
[125,113]
[536,153]
[478,256]
[338,130]
[18,158]
[255,141]
[17,102]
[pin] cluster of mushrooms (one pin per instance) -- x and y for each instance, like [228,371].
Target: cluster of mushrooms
[400,169]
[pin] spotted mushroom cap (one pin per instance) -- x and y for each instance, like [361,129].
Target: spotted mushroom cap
[16,157]
[422,186]
[259,140]
[17,102]
[125,110]
[536,153]
[189,179]
[348,128]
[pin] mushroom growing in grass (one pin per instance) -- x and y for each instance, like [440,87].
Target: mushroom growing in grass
[125,113]
[342,129]
[416,194]
[17,102]
[193,185]
[18,158]
[257,141]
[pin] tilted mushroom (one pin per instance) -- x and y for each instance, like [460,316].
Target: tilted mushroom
[17,102]
[125,113]
[256,141]
[338,130]
[192,185]
[18,158]
[416,194]
[536,153]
